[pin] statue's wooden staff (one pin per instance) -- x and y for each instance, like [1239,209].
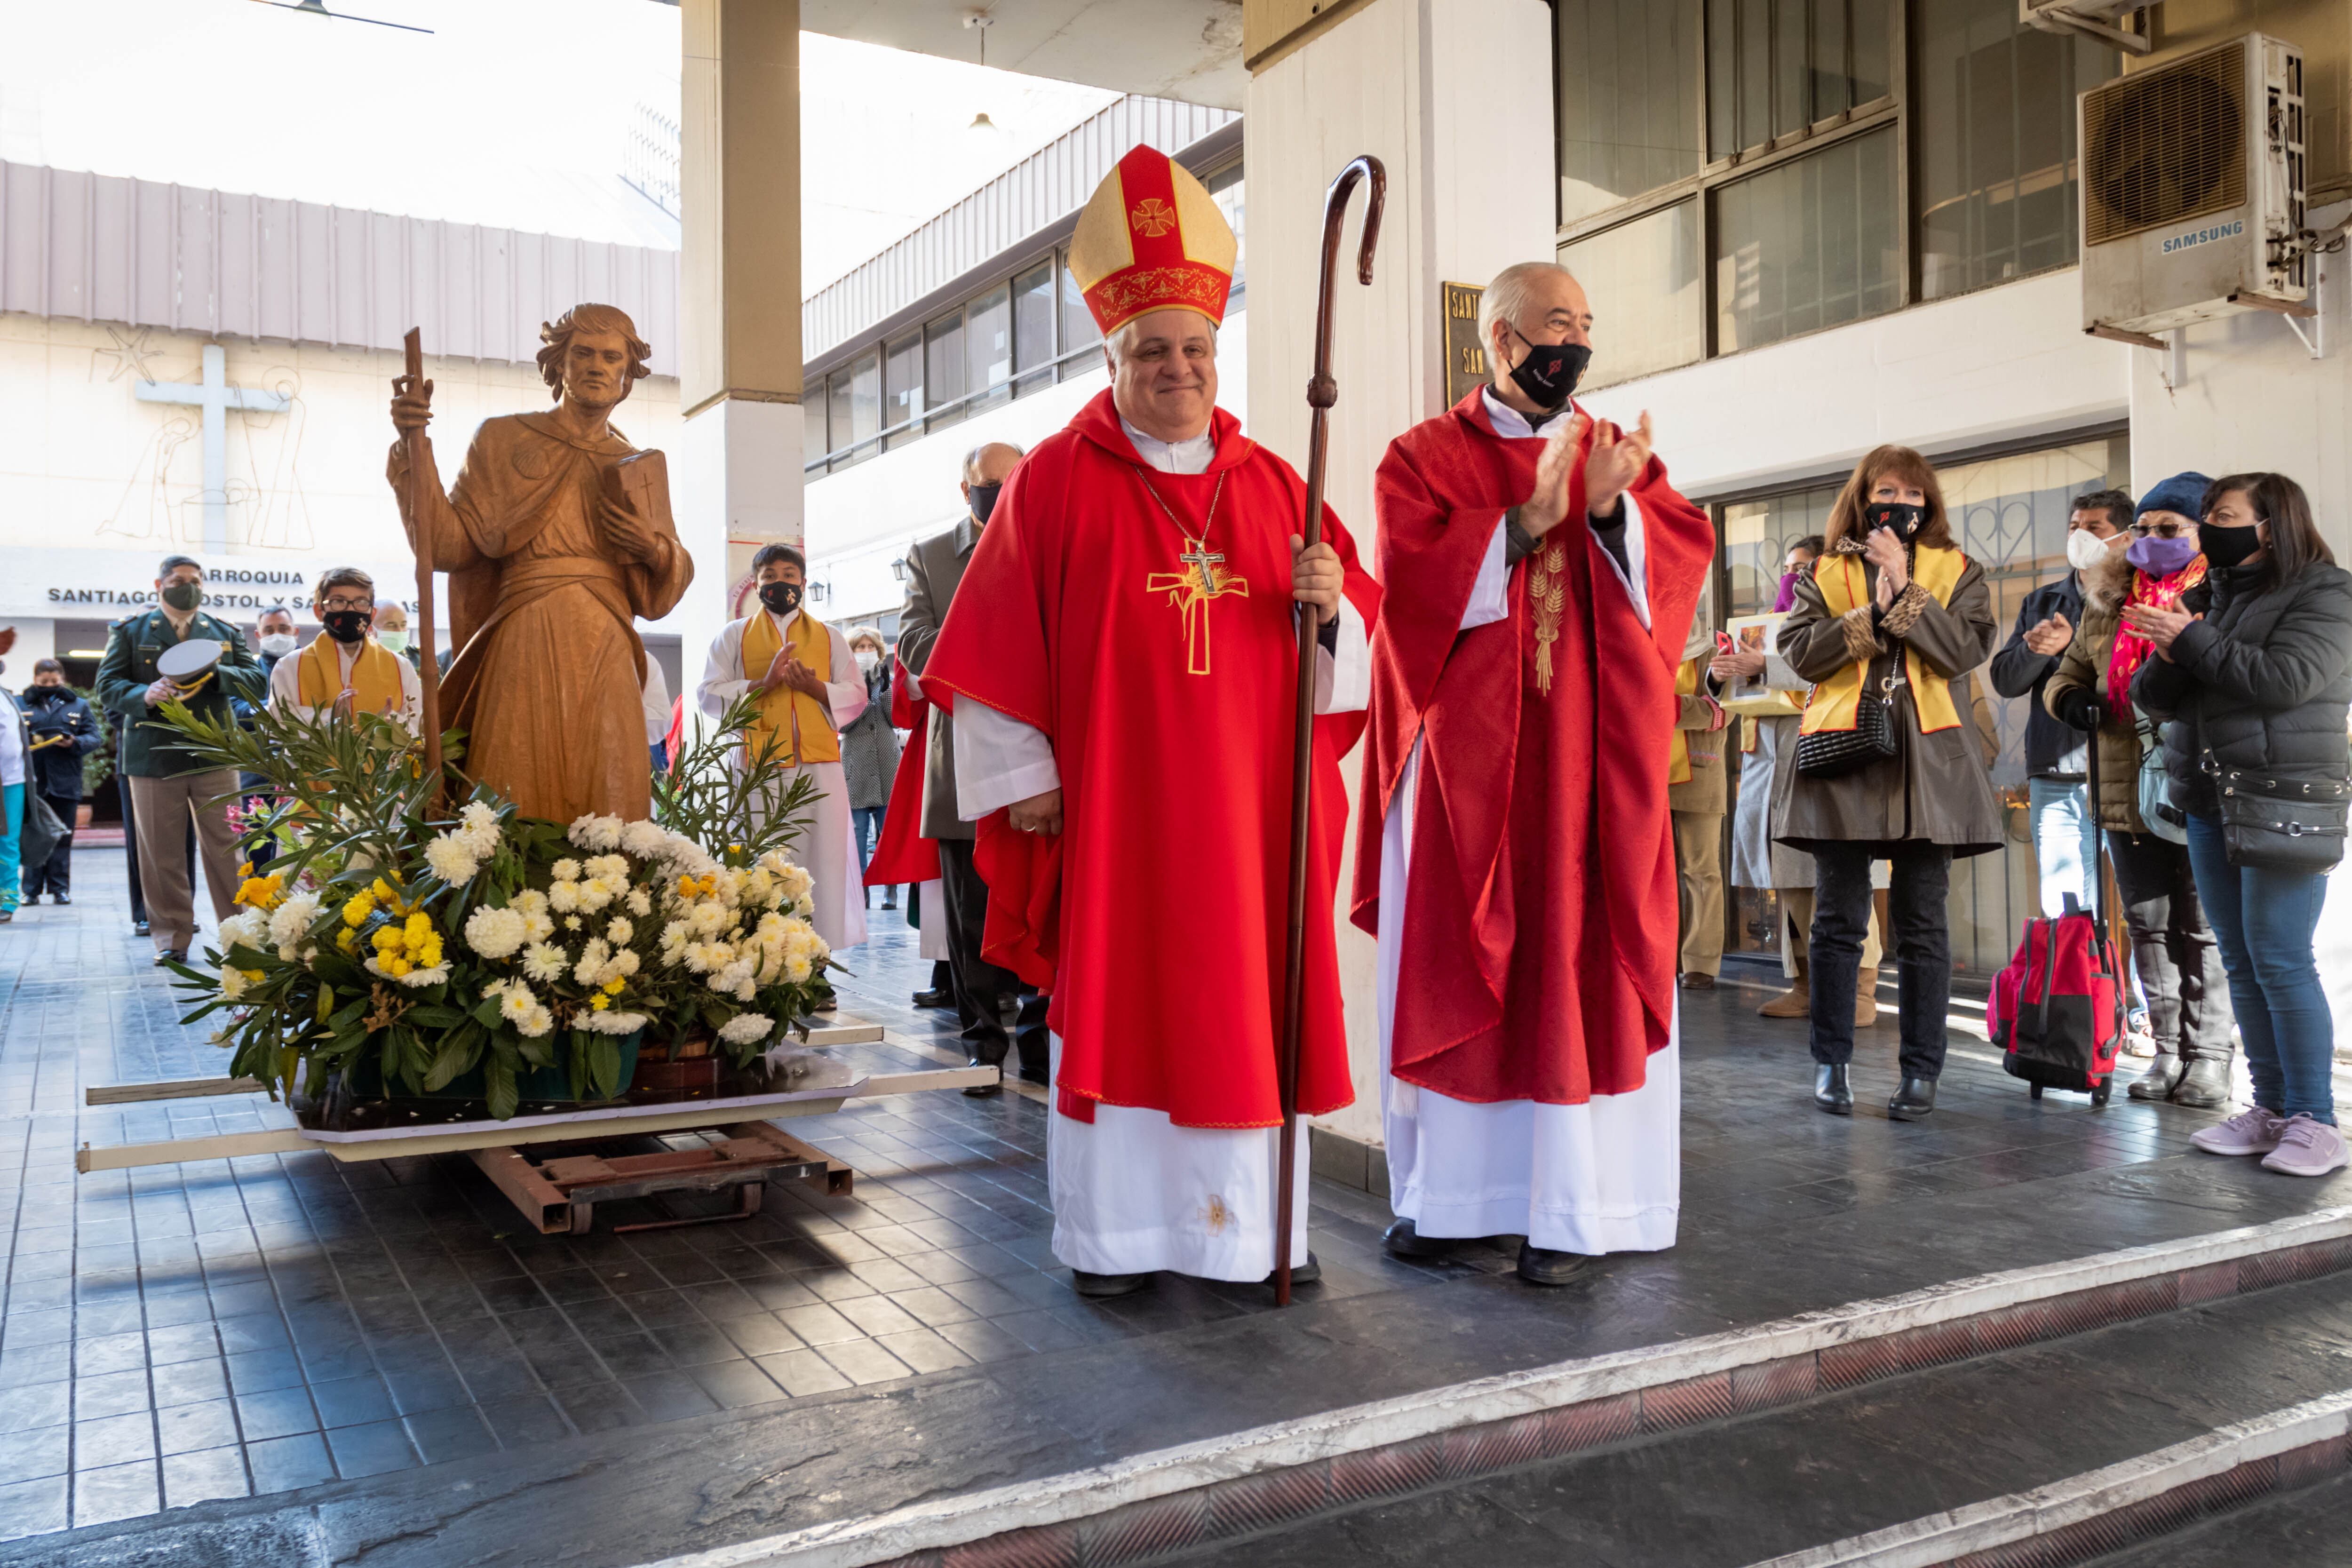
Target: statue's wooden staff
[420,533]
[1322,392]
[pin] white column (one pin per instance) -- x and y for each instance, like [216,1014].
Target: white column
[1454,97]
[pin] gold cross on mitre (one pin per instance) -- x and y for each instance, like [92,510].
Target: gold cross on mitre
[1191,590]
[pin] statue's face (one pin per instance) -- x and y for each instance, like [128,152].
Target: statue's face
[596,368]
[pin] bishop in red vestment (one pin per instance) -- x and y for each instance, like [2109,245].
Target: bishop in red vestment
[1122,659]
[1515,858]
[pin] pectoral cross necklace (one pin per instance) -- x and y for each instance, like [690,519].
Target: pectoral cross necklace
[1190,590]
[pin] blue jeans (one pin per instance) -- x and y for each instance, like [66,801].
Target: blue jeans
[12,870]
[2263,922]
[2066,842]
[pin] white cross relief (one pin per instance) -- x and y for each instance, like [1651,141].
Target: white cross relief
[215,396]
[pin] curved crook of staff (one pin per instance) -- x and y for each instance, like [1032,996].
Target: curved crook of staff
[1322,392]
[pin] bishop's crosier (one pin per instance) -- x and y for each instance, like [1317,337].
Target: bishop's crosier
[1122,661]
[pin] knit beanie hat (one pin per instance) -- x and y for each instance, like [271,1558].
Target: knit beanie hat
[2183,494]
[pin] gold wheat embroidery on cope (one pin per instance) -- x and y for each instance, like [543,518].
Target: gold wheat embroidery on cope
[1547,596]
[1203,578]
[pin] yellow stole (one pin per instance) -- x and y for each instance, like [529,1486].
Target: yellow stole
[1834,703]
[1678,762]
[800,721]
[375,678]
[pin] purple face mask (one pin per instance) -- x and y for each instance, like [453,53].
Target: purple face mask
[2160,557]
[1787,597]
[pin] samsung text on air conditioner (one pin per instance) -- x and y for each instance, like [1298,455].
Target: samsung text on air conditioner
[2205,235]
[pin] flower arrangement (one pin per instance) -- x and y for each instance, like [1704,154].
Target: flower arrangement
[386,942]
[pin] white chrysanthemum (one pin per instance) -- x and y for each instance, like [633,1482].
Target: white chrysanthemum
[674,934]
[593,832]
[539,1022]
[450,860]
[571,922]
[289,922]
[545,963]
[248,926]
[745,1027]
[708,919]
[797,970]
[646,840]
[478,826]
[805,909]
[415,977]
[638,904]
[232,982]
[620,933]
[563,898]
[566,869]
[610,867]
[536,927]
[590,970]
[596,893]
[496,933]
[796,882]
[613,1023]
[624,964]
[515,1000]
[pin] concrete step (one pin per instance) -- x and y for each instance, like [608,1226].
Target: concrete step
[2311,1528]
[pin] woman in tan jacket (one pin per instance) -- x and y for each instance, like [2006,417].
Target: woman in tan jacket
[1893,615]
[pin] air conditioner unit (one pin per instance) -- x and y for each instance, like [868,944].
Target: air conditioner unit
[2193,190]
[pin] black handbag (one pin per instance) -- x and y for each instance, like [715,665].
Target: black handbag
[2281,824]
[1830,754]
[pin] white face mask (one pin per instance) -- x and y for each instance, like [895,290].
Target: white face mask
[867,658]
[393,642]
[2084,549]
[277,645]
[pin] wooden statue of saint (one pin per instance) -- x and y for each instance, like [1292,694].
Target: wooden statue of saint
[557,540]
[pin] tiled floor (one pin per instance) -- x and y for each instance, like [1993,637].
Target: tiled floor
[222,1329]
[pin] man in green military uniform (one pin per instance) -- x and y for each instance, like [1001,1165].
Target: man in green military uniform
[167,783]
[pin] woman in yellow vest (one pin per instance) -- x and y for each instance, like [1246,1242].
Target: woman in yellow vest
[347,661]
[808,687]
[1892,617]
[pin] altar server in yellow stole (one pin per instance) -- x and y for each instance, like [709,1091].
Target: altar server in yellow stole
[347,661]
[809,688]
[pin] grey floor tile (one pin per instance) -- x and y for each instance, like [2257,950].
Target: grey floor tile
[189,1428]
[863,1361]
[803,1371]
[371,1449]
[35,1507]
[114,1440]
[203,1473]
[443,1435]
[119,1492]
[38,1451]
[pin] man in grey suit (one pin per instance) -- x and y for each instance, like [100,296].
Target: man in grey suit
[934,569]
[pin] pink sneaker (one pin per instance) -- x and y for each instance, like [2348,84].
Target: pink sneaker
[2253,1131]
[2307,1148]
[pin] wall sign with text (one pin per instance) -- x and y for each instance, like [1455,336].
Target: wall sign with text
[1465,355]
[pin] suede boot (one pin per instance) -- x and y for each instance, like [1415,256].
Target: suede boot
[2156,1083]
[1865,998]
[1796,1001]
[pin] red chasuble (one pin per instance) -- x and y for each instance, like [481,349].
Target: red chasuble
[1537,956]
[903,854]
[1159,655]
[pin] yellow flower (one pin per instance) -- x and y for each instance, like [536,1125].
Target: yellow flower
[599,1002]
[260,892]
[343,940]
[398,966]
[253,975]
[361,906]
[612,987]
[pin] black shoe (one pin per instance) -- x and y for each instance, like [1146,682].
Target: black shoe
[1405,1240]
[138,927]
[2205,1086]
[1035,1074]
[1305,1273]
[1542,1266]
[1097,1287]
[1830,1091]
[1695,980]
[933,998]
[983,1090]
[170,955]
[1915,1100]
[890,903]
[59,898]
[2163,1076]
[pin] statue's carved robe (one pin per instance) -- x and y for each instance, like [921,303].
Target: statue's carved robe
[550,671]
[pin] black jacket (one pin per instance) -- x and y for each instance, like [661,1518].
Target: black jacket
[2017,670]
[2263,682]
[56,769]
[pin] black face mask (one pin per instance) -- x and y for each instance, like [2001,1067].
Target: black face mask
[46,694]
[2227,547]
[783,598]
[1550,372]
[184,596]
[346,626]
[984,500]
[1899,515]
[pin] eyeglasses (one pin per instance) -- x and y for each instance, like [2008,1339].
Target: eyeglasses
[2160,530]
[347,604]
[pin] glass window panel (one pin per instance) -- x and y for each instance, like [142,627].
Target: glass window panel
[1998,175]
[837,401]
[1078,322]
[1227,188]
[1868,25]
[1829,86]
[902,386]
[1807,244]
[988,347]
[2010,515]
[865,401]
[1033,324]
[1722,80]
[1642,279]
[1791,104]
[1628,75]
[815,437]
[1755,47]
[943,367]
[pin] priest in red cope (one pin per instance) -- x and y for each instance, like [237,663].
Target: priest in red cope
[1515,856]
[1122,661]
